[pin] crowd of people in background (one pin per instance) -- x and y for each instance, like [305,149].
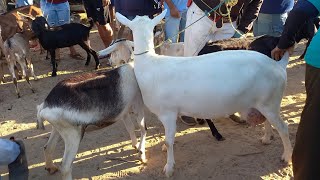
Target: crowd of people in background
[272,17]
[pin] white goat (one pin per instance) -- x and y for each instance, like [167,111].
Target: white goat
[222,83]
[87,102]
[16,50]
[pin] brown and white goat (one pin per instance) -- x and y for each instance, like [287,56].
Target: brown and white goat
[16,50]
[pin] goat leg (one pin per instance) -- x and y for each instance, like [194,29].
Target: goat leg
[214,130]
[53,62]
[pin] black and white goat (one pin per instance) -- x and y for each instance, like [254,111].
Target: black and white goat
[65,36]
[222,83]
[90,101]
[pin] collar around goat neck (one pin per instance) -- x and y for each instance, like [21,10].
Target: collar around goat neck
[142,53]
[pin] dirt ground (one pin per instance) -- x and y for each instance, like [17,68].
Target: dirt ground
[107,153]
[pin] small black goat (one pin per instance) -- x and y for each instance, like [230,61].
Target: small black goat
[65,36]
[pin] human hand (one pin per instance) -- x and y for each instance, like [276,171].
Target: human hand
[277,53]
[174,12]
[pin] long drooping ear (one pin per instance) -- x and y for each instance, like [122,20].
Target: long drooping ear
[158,18]
[123,20]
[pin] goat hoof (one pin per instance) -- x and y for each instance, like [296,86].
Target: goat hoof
[164,148]
[33,91]
[52,170]
[168,170]
[220,138]
[53,74]
[266,140]
[286,158]
[19,96]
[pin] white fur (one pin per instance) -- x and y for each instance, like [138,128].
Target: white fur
[208,86]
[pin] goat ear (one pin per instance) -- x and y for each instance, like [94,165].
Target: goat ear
[158,18]
[108,50]
[123,20]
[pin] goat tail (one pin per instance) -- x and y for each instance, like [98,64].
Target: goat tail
[284,60]
[40,119]
[91,23]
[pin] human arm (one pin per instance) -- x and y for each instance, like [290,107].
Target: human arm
[174,12]
[249,15]
[302,12]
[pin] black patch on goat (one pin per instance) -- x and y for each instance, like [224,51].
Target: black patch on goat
[264,44]
[100,91]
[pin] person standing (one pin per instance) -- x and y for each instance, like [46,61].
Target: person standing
[175,19]
[272,16]
[305,157]
[95,10]
[218,25]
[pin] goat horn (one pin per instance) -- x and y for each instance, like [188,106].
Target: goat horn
[25,15]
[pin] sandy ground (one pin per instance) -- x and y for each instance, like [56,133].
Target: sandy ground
[107,153]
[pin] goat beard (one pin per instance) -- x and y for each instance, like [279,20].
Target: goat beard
[254,117]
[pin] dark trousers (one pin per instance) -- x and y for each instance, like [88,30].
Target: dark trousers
[306,152]
[18,169]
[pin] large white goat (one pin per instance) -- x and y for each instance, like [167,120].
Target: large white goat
[222,83]
[90,101]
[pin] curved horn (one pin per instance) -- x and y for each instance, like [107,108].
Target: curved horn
[25,15]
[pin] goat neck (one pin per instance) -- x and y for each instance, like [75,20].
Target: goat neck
[142,29]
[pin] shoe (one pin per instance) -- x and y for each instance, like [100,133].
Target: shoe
[190,121]
[237,119]
[200,121]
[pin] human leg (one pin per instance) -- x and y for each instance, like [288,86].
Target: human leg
[95,10]
[172,28]
[197,34]
[182,25]
[305,155]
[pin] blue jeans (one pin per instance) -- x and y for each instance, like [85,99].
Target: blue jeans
[174,25]
[269,24]
[56,14]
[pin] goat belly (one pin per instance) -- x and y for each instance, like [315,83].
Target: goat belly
[98,125]
[254,117]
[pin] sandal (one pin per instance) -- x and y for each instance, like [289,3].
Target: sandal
[76,56]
